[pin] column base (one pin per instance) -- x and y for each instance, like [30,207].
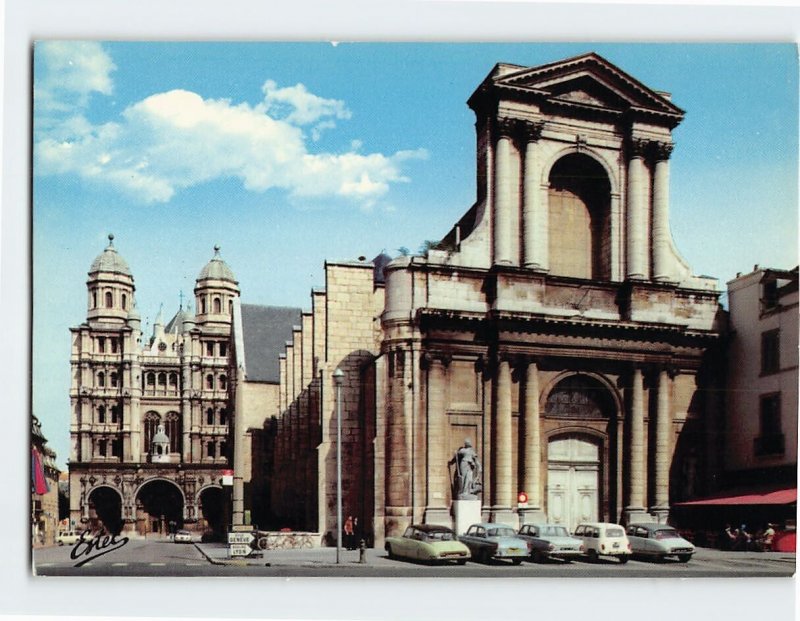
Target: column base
[660,513]
[466,513]
[504,515]
[396,520]
[531,515]
[632,515]
[537,267]
[439,516]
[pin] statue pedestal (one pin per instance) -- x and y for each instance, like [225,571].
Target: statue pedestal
[466,513]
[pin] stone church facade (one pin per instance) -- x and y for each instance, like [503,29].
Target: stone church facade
[555,326]
[151,415]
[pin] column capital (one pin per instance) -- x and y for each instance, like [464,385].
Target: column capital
[638,147]
[531,131]
[427,359]
[505,127]
[662,151]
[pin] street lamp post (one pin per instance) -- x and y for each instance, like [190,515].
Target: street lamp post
[338,378]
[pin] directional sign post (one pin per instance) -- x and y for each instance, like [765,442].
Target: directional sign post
[240,538]
[239,549]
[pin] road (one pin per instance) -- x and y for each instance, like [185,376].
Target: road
[164,558]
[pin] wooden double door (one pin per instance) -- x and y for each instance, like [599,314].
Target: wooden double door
[573,481]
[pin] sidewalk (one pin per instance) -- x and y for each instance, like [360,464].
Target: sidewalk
[217,553]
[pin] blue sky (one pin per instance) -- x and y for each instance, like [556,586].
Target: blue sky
[290,154]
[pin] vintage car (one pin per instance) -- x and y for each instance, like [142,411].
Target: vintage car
[72,537]
[548,541]
[658,541]
[488,540]
[604,539]
[428,543]
[183,536]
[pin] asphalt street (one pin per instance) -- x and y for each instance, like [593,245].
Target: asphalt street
[164,558]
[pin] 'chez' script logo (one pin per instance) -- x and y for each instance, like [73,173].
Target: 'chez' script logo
[90,548]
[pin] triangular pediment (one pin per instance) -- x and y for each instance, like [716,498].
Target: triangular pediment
[587,80]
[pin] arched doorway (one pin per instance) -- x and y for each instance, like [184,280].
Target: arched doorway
[159,507]
[578,456]
[579,200]
[105,510]
[212,510]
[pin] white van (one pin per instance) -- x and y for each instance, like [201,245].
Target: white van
[604,539]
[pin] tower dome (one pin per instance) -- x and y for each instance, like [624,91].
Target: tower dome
[217,269]
[110,286]
[215,289]
[110,261]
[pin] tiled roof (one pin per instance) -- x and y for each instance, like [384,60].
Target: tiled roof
[266,330]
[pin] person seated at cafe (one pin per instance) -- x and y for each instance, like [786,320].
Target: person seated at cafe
[767,537]
[743,539]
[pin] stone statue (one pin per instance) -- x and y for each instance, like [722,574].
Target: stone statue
[467,475]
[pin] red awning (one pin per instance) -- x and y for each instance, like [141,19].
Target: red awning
[783,496]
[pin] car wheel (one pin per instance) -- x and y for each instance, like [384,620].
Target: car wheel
[389,551]
[461,561]
[684,558]
[516,561]
[537,557]
[592,554]
[61,543]
[624,558]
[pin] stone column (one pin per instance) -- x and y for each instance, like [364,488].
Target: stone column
[663,432]
[532,451]
[502,191]
[661,234]
[534,215]
[637,204]
[637,481]
[502,492]
[436,509]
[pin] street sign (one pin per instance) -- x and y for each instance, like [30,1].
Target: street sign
[240,549]
[241,538]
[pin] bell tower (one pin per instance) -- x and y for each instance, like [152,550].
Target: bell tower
[110,286]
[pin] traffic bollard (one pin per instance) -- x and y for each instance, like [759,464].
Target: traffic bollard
[362,551]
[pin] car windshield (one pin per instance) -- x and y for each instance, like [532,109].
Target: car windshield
[501,532]
[554,531]
[665,533]
[440,535]
[614,532]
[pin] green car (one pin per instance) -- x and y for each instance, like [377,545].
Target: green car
[428,543]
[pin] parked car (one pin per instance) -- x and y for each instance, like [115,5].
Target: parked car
[604,539]
[71,537]
[489,540]
[659,541]
[429,543]
[183,536]
[550,541]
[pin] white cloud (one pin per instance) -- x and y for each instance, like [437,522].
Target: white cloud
[177,139]
[67,72]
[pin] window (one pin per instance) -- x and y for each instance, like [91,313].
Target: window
[151,421]
[771,440]
[173,380]
[230,307]
[114,345]
[101,414]
[173,430]
[770,295]
[109,299]
[94,299]
[101,344]
[151,380]
[222,448]
[162,379]
[116,447]
[223,349]
[210,381]
[770,352]
[101,448]
[115,413]
[223,416]
[217,306]
[114,378]
[203,306]
[124,301]
[223,382]
[211,450]
[209,349]
[210,416]
[101,379]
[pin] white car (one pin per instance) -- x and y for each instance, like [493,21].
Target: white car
[604,539]
[71,537]
[658,541]
[183,536]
